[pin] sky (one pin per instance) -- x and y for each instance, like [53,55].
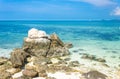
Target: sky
[59,9]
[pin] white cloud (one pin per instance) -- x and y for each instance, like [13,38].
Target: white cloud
[97,2]
[116,11]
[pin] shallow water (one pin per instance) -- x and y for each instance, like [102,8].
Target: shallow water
[99,38]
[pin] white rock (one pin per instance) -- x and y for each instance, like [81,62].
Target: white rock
[35,33]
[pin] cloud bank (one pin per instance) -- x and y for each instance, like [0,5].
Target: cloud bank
[97,2]
[116,12]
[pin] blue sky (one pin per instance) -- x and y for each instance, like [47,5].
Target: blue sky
[59,9]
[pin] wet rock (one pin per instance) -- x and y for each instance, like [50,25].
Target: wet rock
[30,73]
[5,75]
[94,75]
[18,57]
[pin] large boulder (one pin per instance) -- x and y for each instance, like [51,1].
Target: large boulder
[18,57]
[38,43]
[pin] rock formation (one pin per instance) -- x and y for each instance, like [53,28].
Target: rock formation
[38,43]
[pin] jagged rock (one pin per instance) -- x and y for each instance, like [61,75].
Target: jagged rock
[94,75]
[30,73]
[18,57]
[5,75]
[56,42]
[43,45]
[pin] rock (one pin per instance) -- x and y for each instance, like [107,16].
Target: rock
[37,48]
[42,60]
[85,56]
[30,73]
[68,45]
[5,75]
[94,75]
[42,73]
[3,60]
[56,42]
[18,57]
[35,33]
[101,60]
[63,62]
[40,68]
[67,59]
[41,45]
[74,63]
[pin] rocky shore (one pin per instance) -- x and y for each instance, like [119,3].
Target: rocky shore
[44,56]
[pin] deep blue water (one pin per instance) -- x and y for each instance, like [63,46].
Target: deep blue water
[12,33]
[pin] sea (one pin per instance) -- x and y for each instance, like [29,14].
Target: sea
[98,38]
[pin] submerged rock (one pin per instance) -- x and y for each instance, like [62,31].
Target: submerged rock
[94,75]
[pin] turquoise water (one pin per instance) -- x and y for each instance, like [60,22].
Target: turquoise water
[101,38]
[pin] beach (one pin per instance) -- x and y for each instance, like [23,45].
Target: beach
[95,45]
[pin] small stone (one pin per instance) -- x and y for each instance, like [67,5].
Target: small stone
[30,73]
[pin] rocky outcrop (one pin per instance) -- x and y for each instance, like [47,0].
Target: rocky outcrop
[38,43]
